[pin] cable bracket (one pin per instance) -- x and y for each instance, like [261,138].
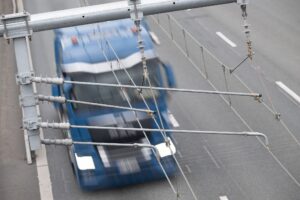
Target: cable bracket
[31,123]
[24,78]
[8,21]
[135,13]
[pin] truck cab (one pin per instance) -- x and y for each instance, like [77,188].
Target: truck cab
[98,53]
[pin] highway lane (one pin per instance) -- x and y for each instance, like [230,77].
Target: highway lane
[240,168]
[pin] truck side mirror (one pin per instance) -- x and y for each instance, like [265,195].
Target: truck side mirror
[170,75]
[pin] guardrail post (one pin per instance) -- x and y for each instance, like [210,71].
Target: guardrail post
[157,18]
[185,43]
[170,27]
[226,84]
[203,61]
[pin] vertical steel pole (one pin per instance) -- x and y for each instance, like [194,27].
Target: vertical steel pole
[226,83]
[28,100]
[185,43]
[157,16]
[203,61]
[170,27]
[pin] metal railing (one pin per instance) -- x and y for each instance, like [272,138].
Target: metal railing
[209,66]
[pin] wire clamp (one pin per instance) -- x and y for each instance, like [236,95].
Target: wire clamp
[24,78]
[135,13]
[31,123]
[258,98]
[16,18]
[277,116]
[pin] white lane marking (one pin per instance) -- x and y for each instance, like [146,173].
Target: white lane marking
[188,169]
[173,120]
[188,9]
[179,153]
[226,39]
[211,156]
[154,37]
[224,198]
[290,92]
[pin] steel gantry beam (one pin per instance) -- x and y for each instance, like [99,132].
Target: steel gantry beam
[105,12]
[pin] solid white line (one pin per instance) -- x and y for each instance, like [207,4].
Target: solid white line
[43,173]
[224,198]
[223,37]
[290,92]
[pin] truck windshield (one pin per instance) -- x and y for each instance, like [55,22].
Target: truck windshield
[114,95]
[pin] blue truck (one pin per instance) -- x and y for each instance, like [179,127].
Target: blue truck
[83,54]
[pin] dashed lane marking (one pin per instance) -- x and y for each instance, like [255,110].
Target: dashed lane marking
[173,120]
[224,198]
[226,39]
[290,92]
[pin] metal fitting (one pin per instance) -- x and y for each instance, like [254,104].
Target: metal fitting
[31,123]
[10,31]
[24,78]
[135,14]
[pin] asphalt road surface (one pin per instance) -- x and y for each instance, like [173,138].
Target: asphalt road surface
[217,167]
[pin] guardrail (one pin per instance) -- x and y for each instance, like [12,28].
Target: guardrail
[210,67]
